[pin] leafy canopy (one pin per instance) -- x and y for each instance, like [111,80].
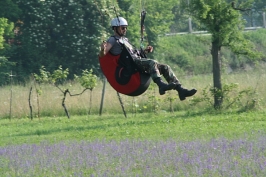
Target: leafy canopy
[224,23]
[5,30]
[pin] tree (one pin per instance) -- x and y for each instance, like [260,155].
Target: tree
[180,18]
[88,81]
[259,6]
[9,10]
[5,32]
[252,14]
[158,20]
[225,24]
[54,33]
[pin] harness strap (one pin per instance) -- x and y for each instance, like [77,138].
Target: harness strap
[135,54]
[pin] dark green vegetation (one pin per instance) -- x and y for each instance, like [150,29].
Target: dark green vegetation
[182,126]
[43,37]
[190,54]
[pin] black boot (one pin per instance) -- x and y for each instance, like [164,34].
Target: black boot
[183,92]
[163,86]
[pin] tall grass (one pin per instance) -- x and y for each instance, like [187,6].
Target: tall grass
[51,98]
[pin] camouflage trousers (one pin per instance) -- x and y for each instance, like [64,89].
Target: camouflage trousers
[156,69]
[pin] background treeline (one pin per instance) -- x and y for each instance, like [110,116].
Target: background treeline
[190,54]
[67,33]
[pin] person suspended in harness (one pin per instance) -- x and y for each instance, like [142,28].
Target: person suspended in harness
[150,66]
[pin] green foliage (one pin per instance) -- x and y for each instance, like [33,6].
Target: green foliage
[186,54]
[190,54]
[224,21]
[9,10]
[87,79]
[243,100]
[5,65]
[154,102]
[170,99]
[225,24]
[58,76]
[254,16]
[181,17]
[46,38]
[5,30]
[50,100]
[3,61]
[131,11]
[259,40]
[49,40]
[43,77]
[158,20]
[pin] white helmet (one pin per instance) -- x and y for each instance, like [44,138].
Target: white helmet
[120,21]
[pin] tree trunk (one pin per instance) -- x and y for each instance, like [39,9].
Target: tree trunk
[216,63]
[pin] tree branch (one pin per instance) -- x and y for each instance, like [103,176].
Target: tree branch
[237,8]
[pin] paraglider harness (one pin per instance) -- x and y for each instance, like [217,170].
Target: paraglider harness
[127,59]
[121,71]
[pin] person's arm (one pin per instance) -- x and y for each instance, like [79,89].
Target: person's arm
[105,47]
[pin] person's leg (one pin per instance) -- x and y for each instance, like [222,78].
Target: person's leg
[151,67]
[167,73]
[170,77]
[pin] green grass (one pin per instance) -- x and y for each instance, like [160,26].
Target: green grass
[49,103]
[181,125]
[116,145]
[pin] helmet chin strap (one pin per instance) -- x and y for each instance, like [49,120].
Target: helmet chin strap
[116,30]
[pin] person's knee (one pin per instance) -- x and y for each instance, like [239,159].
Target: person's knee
[153,62]
[167,67]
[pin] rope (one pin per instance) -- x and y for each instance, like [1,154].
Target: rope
[142,19]
[142,5]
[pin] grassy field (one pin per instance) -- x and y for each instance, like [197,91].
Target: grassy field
[51,98]
[162,126]
[162,144]
[151,141]
[161,135]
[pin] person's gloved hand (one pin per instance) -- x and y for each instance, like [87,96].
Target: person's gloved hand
[148,49]
[103,45]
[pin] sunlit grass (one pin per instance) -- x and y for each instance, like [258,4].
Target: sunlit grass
[51,98]
[181,125]
[164,144]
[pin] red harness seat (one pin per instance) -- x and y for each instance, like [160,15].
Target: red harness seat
[125,79]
